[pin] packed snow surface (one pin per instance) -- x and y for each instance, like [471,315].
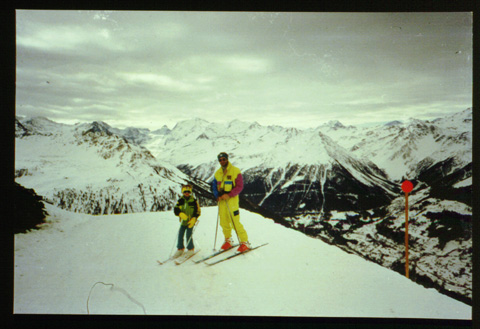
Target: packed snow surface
[79,264]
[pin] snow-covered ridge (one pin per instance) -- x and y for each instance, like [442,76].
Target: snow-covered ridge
[88,168]
[371,158]
[395,148]
[74,253]
[376,156]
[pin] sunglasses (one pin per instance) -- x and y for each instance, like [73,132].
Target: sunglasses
[222,160]
[187,192]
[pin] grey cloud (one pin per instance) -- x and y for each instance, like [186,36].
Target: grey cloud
[257,65]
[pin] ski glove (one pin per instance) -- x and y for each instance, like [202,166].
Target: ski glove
[183,218]
[192,222]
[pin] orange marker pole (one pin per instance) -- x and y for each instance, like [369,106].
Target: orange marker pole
[406,236]
[407,187]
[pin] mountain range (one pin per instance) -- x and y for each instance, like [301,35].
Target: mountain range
[332,182]
[89,168]
[333,167]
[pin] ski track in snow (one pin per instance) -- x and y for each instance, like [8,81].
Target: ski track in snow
[107,265]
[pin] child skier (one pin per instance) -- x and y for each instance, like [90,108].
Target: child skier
[188,210]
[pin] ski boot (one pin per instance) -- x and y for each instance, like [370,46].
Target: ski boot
[227,244]
[244,246]
[178,253]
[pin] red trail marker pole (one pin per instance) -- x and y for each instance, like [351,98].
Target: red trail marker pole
[407,187]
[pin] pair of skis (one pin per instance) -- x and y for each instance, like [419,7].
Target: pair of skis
[225,258]
[182,259]
[221,251]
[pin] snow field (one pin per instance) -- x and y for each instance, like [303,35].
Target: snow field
[59,270]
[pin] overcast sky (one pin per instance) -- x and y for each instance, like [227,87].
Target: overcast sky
[147,69]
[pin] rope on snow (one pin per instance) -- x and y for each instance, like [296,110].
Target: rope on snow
[117,289]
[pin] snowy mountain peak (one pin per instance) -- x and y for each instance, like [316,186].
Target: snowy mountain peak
[335,124]
[134,135]
[254,125]
[37,126]
[133,131]
[190,124]
[393,123]
[235,126]
[162,131]
[41,122]
[92,168]
[416,122]
[460,120]
[202,136]
[97,127]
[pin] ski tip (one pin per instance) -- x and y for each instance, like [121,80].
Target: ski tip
[164,261]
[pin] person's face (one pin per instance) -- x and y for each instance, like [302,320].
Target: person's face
[223,161]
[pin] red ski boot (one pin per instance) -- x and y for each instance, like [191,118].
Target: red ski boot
[244,246]
[227,244]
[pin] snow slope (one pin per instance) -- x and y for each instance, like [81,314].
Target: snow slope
[78,264]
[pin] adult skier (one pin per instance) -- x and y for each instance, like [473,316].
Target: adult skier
[226,186]
[188,210]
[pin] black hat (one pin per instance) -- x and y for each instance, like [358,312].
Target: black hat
[222,155]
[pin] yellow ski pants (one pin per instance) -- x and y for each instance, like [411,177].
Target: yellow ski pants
[228,211]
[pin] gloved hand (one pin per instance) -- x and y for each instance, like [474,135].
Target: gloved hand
[183,218]
[191,222]
[224,197]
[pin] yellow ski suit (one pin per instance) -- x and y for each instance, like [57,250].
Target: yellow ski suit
[229,182]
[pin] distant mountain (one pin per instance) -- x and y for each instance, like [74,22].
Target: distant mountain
[90,168]
[393,123]
[328,168]
[135,135]
[162,131]
[280,166]
[398,147]
[287,171]
[335,125]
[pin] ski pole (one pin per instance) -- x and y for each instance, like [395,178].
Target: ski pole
[231,218]
[216,230]
[176,237]
[191,236]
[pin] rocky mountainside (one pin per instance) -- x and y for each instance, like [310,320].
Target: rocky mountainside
[440,238]
[28,210]
[89,168]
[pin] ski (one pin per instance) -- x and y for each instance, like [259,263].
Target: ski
[182,259]
[214,254]
[234,255]
[165,261]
